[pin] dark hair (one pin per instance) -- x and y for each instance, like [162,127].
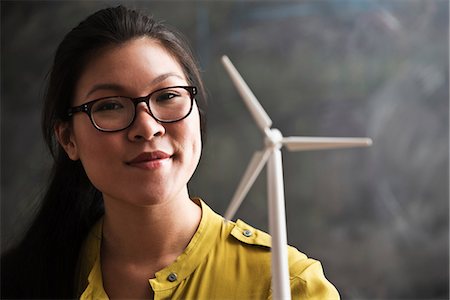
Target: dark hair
[44,262]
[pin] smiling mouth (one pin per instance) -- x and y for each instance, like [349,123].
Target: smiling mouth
[150,160]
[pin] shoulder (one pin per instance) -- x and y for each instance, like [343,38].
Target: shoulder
[244,253]
[252,247]
[256,240]
[307,278]
[249,235]
[239,238]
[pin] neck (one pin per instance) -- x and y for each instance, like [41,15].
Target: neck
[150,235]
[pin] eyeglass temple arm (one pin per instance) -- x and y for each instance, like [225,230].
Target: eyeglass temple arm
[74,110]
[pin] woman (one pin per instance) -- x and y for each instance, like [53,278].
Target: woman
[124,119]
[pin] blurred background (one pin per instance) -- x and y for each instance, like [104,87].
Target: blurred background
[377,218]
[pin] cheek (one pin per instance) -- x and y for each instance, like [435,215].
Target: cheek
[101,165]
[196,138]
[192,142]
[196,148]
[90,143]
[97,151]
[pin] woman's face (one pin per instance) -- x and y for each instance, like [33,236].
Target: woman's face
[149,162]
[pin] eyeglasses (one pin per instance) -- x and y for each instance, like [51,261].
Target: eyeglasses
[167,105]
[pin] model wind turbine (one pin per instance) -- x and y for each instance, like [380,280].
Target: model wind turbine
[271,154]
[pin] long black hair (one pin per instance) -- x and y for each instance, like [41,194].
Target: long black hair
[43,264]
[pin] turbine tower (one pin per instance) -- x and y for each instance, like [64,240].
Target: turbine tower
[271,154]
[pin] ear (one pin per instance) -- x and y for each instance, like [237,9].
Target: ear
[66,138]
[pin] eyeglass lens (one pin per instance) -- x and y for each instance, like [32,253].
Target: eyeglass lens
[116,113]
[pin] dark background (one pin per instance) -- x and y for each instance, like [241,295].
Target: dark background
[377,218]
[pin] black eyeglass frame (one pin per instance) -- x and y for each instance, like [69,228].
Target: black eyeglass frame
[86,107]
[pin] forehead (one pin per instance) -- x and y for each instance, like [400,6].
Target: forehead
[133,66]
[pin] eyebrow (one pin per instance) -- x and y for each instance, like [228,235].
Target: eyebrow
[117,87]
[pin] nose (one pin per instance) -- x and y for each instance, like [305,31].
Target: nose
[145,127]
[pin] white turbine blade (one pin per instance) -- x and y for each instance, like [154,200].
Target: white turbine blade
[250,175]
[318,143]
[255,108]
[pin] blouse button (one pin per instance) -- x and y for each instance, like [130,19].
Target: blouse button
[247,233]
[172,277]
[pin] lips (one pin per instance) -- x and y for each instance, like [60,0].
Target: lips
[149,160]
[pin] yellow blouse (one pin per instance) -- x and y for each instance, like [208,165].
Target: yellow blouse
[224,260]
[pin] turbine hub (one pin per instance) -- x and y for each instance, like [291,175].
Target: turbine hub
[273,138]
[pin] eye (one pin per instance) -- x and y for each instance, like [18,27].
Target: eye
[108,105]
[167,95]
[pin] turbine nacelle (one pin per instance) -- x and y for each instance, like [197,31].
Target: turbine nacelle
[273,138]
